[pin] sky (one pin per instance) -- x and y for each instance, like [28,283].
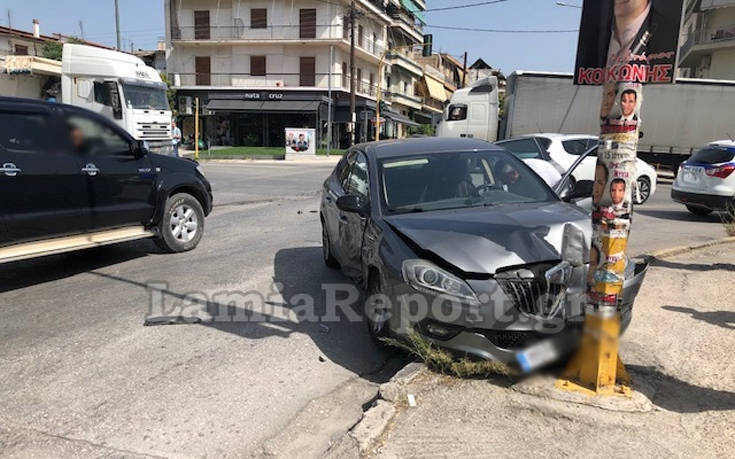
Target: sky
[141,22]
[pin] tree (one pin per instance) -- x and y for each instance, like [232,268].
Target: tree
[170,92]
[52,50]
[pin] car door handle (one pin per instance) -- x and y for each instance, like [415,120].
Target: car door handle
[91,170]
[10,169]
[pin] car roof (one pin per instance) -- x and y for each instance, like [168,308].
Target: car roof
[409,147]
[558,136]
[722,143]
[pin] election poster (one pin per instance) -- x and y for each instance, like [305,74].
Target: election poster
[633,41]
[300,141]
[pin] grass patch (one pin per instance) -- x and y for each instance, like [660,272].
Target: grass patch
[257,151]
[441,361]
[728,220]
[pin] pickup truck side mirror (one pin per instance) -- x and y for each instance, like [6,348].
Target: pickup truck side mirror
[353,204]
[114,98]
[140,148]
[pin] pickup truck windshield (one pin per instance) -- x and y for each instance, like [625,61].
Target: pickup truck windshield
[143,97]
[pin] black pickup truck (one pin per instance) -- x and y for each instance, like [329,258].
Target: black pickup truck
[71,179]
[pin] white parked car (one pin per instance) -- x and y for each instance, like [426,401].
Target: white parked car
[705,182]
[565,149]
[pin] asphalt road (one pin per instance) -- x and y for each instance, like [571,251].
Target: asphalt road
[80,374]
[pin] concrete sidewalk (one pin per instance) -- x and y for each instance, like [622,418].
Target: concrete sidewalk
[680,348]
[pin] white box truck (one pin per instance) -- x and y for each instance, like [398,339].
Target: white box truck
[676,119]
[472,112]
[121,87]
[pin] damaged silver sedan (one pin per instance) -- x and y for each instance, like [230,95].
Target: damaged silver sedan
[458,240]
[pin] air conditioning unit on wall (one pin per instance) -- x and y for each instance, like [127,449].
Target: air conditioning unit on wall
[185,106]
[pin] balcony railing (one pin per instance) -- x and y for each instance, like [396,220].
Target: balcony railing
[433,103]
[276,33]
[275,80]
[708,36]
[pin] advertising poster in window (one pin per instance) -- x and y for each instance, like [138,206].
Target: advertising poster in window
[300,141]
[632,41]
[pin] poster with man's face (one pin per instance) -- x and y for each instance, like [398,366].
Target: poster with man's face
[300,141]
[628,41]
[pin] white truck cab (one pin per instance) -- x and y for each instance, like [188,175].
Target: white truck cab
[472,112]
[121,87]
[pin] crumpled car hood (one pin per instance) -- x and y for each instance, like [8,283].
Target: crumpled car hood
[484,240]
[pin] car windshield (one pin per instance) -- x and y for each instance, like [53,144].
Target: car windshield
[441,181]
[144,97]
[713,155]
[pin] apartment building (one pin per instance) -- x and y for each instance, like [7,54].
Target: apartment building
[260,66]
[15,42]
[708,40]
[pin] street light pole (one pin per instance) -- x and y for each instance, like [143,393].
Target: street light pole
[353,97]
[117,24]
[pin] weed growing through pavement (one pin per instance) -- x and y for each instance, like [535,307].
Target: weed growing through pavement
[443,362]
[728,220]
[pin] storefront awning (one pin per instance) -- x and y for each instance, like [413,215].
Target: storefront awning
[398,118]
[411,6]
[712,4]
[285,106]
[436,89]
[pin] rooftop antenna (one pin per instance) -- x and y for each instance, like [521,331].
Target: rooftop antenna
[10,24]
[81,29]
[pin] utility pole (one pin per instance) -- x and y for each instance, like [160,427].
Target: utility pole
[464,73]
[117,24]
[353,97]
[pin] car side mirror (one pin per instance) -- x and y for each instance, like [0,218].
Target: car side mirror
[576,190]
[353,204]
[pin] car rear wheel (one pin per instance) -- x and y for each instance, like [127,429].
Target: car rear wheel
[700,211]
[643,191]
[327,256]
[182,224]
[376,311]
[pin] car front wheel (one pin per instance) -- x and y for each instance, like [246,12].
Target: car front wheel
[377,310]
[643,191]
[182,224]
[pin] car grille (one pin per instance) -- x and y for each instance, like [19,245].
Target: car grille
[153,130]
[530,292]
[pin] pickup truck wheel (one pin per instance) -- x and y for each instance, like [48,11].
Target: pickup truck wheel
[182,224]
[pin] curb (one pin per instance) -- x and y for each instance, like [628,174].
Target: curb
[673,251]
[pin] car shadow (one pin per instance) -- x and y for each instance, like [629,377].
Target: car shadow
[300,278]
[682,216]
[26,273]
[692,266]
[724,319]
[679,396]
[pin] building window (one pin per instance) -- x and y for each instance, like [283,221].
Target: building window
[346,28]
[257,65]
[345,75]
[21,50]
[201,25]
[258,18]
[307,71]
[359,80]
[307,23]
[372,89]
[203,70]
[374,44]
[360,37]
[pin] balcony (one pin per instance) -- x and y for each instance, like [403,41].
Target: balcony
[705,41]
[273,80]
[433,105]
[405,99]
[404,61]
[327,34]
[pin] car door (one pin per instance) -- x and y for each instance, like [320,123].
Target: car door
[351,224]
[43,192]
[122,183]
[569,182]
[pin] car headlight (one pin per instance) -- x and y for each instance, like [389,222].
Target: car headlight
[423,275]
